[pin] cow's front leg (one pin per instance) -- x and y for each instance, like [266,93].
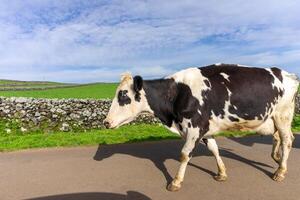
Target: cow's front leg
[188,147]
[213,147]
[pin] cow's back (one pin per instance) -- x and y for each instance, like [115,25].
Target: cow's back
[237,93]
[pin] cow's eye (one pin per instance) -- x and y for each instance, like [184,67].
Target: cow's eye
[123,97]
[122,93]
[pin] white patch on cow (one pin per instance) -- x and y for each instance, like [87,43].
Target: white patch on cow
[229,93]
[191,131]
[194,79]
[225,76]
[262,116]
[276,84]
[199,112]
[267,128]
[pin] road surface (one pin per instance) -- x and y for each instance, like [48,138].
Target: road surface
[142,170]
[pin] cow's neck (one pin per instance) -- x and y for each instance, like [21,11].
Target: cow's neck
[160,94]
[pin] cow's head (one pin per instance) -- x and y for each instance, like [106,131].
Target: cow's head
[129,102]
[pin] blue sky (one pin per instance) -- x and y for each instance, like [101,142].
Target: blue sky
[88,41]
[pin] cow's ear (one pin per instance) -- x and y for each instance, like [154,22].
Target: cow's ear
[137,83]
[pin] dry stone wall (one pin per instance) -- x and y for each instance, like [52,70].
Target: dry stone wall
[64,114]
[297,108]
[59,114]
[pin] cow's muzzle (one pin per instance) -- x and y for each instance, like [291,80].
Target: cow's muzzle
[106,123]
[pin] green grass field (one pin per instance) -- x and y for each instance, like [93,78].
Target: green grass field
[94,91]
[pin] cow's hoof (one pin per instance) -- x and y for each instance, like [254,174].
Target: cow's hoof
[279,175]
[220,177]
[173,188]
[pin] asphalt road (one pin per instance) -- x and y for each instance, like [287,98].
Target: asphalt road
[141,171]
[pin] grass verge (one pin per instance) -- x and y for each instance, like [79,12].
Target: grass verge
[17,140]
[125,134]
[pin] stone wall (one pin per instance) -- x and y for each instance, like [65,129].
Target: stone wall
[297,109]
[65,114]
[59,114]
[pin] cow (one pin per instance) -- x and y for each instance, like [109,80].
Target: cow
[200,102]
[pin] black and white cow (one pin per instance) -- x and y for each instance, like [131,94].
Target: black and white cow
[198,103]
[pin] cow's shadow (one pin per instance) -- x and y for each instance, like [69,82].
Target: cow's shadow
[251,140]
[159,152]
[132,195]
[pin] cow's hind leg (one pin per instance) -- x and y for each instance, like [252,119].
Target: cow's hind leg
[276,147]
[283,123]
[191,141]
[213,147]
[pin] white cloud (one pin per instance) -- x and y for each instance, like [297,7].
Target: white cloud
[62,40]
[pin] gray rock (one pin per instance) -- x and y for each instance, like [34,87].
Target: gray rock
[86,113]
[19,106]
[65,127]
[7,130]
[21,100]
[37,114]
[23,129]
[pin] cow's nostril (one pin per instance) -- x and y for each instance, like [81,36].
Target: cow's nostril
[106,124]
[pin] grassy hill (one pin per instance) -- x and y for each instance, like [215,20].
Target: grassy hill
[16,83]
[56,90]
[8,85]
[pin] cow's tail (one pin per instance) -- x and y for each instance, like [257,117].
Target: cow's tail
[295,79]
[291,86]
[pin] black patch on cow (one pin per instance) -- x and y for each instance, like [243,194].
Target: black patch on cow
[187,106]
[251,90]
[205,141]
[137,97]
[277,73]
[189,125]
[180,127]
[137,83]
[137,86]
[207,83]
[160,95]
[280,92]
[193,150]
[123,98]
[233,119]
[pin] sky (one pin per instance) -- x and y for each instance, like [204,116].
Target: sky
[85,41]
